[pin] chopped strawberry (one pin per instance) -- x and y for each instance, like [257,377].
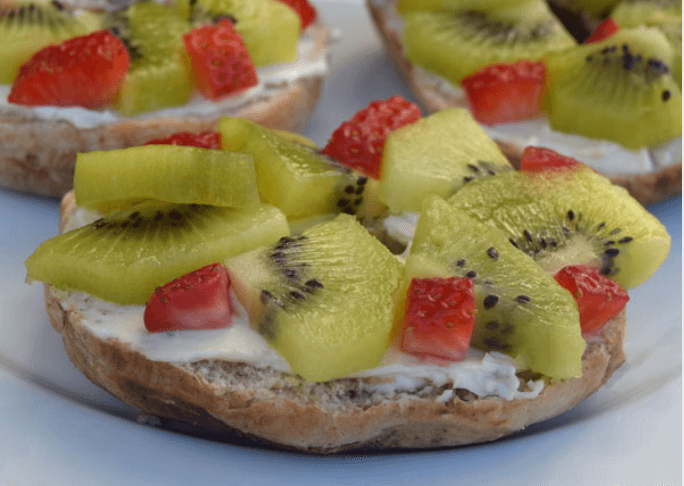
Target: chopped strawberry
[209,140]
[604,30]
[599,298]
[539,159]
[197,300]
[82,71]
[358,143]
[440,317]
[306,11]
[507,92]
[221,64]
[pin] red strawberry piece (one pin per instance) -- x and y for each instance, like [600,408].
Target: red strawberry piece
[599,298]
[306,11]
[540,159]
[83,71]
[440,317]
[603,31]
[507,92]
[358,143]
[221,64]
[208,140]
[197,300]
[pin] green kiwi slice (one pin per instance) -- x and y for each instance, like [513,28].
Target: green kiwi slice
[620,89]
[269,28]
[120,179]
[436,155]
[572,217]
[521,310]
[25,28]
[404,6]
[297,178]
[632,13]
[123,257]
[596,8]
[456,44]
[159,74]
[325,299]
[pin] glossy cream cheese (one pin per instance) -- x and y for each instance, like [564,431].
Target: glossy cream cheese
[311,61]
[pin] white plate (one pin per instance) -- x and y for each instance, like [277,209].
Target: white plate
[57,428]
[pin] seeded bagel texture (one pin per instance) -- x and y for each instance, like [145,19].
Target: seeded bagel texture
[233,399]
[434,94]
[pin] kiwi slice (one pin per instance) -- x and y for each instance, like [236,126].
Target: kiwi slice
[633,13]
[270,28]
[160,72]
[120,179]
[620,89]
[595,8]
[325,299]
[456,44]
[673,33]
[404,6]
[25,28]
[572,217]
[123,257]
[298,178]
[521,310]
[436,155]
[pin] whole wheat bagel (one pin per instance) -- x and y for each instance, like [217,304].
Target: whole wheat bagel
[37,155]
[230,399]
[433,95]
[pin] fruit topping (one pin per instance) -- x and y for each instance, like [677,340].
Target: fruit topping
[325,300]
[113,180]
[437,154]
[507,92]
[599,299]
[439,318]
[82,71]
[306,11]
[540,159]
[221,64]
[358,143]
[196,300]
[604,30]
[208,140]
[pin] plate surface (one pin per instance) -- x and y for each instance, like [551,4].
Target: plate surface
[59,429]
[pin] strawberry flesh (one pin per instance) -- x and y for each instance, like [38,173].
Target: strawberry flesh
[220,61]
[439,318]
[506,92]
[540,159]
[599,299]
[208,140]
[358,142]
[82,71]
[306,12]
[603,31]
[197,300]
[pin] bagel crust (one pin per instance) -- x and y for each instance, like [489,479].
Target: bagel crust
[645,188]
[38,155]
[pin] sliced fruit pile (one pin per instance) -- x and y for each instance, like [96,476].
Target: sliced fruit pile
[147,56]
[523,263]
[515,61]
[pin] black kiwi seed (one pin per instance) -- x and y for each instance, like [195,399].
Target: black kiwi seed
[571,215]
[490,301]
[626,239]
[291,273]
[297,295]
[527,235]
[496,344]
[491,325]
[314,284]
[474,168]
[600,226]
[343,203]
[362,180]
[467,179]
[460,263]
[358,201]
[612,252]
[100,223]
[492,253]
[666,95]
[522,299]
[471,274]
[359,190]
[349,189]
[513,242]
[265,296]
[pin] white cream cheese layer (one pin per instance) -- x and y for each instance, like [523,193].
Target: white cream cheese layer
[311,61]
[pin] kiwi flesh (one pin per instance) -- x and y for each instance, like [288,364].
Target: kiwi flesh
[436,155]
[620,89]
[25,28]
[160,72]
[325,300]
[521,310]
[456,44]
[123,257]
[404,6]
[595,8]
[570,217]
[633,13]
[298,178]
[115,180]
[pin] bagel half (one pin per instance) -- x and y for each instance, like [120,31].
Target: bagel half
[233,399]
[434,94]
[37,154]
